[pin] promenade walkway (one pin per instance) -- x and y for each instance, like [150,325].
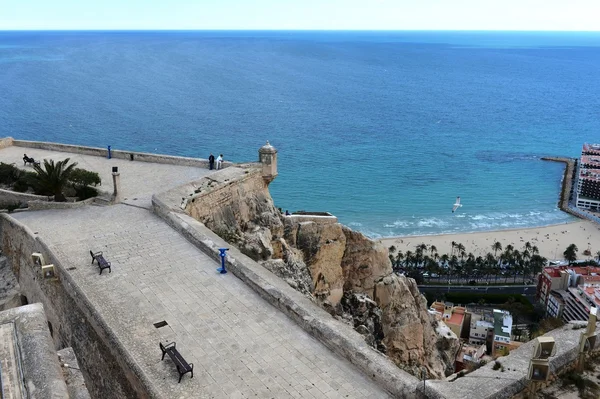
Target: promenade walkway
[241,346]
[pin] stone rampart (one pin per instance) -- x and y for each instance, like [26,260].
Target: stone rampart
[229,186]
[511,380]
[6,142]
[41,205]
[320,219]
[8,197]
[41,374]
[103,152]
[109,370]
[336,335]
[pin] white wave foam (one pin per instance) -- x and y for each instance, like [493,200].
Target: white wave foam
[398,223]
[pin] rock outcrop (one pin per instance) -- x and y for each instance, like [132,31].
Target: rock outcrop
[346,273]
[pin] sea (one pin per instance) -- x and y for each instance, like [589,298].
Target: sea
[382,129]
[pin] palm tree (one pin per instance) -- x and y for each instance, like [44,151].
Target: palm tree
[496,247]
[453,245]
[432,249]
[408,257]
[570,253]
[535,250]
[598,256]
[444,259]
[399,258]
[537,263]
[527,246]
[53,177]
[491,262]
[392,249]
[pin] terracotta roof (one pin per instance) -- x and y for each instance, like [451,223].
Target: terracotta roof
[456,319]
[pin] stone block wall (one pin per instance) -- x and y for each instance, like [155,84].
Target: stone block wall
[8,197]
[6,142]
[232,190]
[103,152]
[512,381]
[108,369]
[41,374]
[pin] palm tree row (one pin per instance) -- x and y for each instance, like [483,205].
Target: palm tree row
[461,265]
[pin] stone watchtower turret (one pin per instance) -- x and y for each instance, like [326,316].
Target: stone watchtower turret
[267,156]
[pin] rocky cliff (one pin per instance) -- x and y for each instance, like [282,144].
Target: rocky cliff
[343,271]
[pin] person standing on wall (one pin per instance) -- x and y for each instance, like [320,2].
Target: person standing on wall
[211,161]
[219,161]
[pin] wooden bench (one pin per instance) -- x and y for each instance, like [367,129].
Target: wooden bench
[102,263]
[31,161]
[182,366]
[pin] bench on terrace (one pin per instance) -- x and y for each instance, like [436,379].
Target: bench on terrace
[182,366]
[102,263]
[28,160]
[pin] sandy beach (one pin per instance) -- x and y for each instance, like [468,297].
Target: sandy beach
[551,241]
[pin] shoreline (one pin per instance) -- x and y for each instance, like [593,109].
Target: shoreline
[551,240]
[577,220]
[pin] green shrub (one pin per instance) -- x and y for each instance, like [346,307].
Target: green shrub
[20,186]
[497,365]
[85,192]
[13,207]
[82,177]
[8,173]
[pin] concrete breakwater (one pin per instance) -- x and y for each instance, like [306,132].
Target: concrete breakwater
[567,183]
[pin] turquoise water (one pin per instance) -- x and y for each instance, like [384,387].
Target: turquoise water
[383,129]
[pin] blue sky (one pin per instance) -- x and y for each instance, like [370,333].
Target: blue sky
[570,15]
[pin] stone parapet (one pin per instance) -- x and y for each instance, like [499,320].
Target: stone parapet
[512,379]
[8,197]
[337,336]
[34,355]
[6,142]
[320,218]
[41,205]
[103,152]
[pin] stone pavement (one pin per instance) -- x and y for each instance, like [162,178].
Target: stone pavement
[139,180]
[240,345]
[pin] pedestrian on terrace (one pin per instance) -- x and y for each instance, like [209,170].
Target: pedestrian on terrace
[211,161]
[219,161]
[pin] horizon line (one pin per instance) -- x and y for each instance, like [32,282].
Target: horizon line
[287,30]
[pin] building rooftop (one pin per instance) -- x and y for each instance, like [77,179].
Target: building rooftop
[591,148]
[586,271]
[456,319]
[588,174]
[502,323]
[484,323]
[593,160]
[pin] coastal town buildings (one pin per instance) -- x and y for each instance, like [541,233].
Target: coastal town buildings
[469,356]
[481,333]
[569,292]
[502,331]
[455,317]
[588,180]
[490,330]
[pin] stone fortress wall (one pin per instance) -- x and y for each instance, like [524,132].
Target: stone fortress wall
[238,184]
[103,152]
[106,366]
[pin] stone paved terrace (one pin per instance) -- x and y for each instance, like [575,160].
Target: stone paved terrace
[139,180]
[240,345]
